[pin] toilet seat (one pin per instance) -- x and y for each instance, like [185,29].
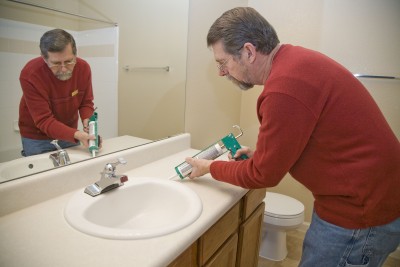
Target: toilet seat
[281,206]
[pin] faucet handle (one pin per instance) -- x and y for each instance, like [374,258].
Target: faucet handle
[110,167]
[121,160]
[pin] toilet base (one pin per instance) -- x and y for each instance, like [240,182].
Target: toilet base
[273,245]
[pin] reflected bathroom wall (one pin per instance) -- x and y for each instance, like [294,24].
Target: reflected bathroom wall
[19,43]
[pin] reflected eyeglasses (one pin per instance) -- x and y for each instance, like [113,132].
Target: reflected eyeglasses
[67,64]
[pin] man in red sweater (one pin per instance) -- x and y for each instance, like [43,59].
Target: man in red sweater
[56,86]
[320,124]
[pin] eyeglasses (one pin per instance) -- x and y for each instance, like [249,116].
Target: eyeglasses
[67,64]
[221,66]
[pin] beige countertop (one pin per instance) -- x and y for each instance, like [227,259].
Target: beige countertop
[39,235]
[110,145]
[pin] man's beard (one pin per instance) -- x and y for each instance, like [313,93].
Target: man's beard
[63,76]
[242,85]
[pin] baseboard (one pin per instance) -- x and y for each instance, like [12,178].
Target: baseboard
[304,227]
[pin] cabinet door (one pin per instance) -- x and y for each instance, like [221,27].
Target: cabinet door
[213,239]
[188,258]
[226,255]
[249,238]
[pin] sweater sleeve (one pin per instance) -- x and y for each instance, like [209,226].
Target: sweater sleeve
[286,126]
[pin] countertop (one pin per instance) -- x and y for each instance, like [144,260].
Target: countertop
[109,145]
[39,235]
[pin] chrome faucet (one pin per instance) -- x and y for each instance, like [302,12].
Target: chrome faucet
[108,181]
[59,158]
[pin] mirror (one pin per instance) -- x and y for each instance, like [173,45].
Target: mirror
[138,66]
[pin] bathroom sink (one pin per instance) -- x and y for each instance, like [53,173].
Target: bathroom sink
[30,165]
[143,207]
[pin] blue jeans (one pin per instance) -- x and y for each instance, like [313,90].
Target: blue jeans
[328,245]
[33,147]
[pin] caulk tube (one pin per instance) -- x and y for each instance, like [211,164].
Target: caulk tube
[212,152]
[93,144]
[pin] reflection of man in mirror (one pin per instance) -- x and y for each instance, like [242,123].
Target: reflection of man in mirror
[56,86]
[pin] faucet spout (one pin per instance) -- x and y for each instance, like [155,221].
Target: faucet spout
[61,157]
[108,181]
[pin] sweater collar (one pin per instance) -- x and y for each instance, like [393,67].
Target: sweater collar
[270,59]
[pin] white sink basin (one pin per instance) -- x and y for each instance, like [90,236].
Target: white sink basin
[29,165]
[142,208]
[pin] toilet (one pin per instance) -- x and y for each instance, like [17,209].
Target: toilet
[281,213]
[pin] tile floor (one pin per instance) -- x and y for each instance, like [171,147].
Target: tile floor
[294,244]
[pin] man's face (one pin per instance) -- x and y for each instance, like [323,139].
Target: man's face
[62,63]
[233,69]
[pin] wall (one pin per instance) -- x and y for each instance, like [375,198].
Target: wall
[13,11]
[150,102]
[212,103]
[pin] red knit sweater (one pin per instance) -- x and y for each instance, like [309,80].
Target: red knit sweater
[49,107]
[321,125]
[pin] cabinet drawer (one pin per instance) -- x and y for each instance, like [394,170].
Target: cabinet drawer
[251,201]
[218,234]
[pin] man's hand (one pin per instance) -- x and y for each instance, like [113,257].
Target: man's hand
[83,137]
[242,151]
[200,167]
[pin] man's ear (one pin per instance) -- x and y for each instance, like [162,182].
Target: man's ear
[249,52]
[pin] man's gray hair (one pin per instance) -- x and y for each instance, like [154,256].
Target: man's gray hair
[240,25]
[55,41]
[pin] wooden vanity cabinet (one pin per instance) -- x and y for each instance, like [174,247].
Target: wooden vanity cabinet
[226,255]
[187,259]
[232,241]
[216,238]
[250,228]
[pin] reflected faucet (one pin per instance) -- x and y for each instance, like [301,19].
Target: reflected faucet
[59,158]
[108,180]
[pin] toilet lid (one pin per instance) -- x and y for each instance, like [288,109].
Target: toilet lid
[278,205]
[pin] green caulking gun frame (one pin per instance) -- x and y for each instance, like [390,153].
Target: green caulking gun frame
[212,152]
[93,144]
